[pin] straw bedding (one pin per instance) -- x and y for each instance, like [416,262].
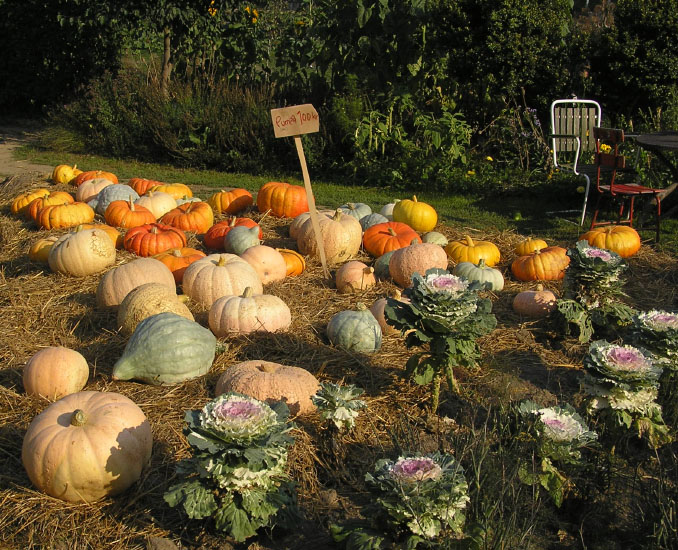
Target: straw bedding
[39,308]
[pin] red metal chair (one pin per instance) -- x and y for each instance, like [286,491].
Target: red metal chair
[610,180]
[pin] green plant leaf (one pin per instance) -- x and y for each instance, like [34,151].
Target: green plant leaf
[198,501]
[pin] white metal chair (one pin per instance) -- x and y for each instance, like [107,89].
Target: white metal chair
[572,142]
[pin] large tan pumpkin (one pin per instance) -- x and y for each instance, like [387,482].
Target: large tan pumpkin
[91,188]
[271,382]
[149,299]
[267,262]
[157,202]
[354,276]
[82,253]
[341,235]
[87,446]
[416,258]
[219,275]
[248,313]
[54,372]
[301,218]
[119,281]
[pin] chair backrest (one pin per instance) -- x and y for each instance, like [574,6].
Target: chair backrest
[572,123]
[608,157]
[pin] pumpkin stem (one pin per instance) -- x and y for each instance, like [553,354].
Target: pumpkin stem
[392,232]
[416,240]
[176,252]
[414,198]
[78,418]
[469,241]
[368,270]
[360,306]
[267,367]
[154,229]
[231,221]
[222,261]
[248,292]
[337,215]
[481,263]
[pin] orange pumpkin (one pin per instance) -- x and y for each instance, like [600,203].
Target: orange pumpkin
[21,202]
[622,239]
[153,238]
[294,261]
[39,250]
[387,236]
[178,259]
[282,199]
[127,214]
[191,216]
[230,201]
[55,197]
[93,174]
[177,190]
[63,173]
[214,237]
[546,264]
[142,185]
[65,215]
[529,245]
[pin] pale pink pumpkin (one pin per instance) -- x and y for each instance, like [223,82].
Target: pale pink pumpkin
[269,264]
[54,372]
[354,276]
[416,258]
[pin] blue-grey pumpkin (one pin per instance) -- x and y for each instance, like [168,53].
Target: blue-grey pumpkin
[355,330]
[372,219]
[240,238]
[489,277]
[356,209]
[381,265]
[119,192]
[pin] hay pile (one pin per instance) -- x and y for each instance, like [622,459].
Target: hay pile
[40,308]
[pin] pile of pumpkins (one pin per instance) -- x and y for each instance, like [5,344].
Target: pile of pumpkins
[150,219]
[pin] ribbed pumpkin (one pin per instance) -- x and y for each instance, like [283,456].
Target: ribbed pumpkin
[61,216]
[55,197]
[248,313]
[153,238]
[230,201]
[20,202]
[529,245]
[107,195]
[157,202]
[271,382]
[354,276]
[341,236]
[54,372]
[116,283]
[39,250]
[82,177]
[355,330]
[282,199]
[468,250]
[82,253]
[91,188]
[294,262]
[127,214]
[267,262]
[489,277]
[178,259]
[177,190]
[356,209]
[87,446]
[435,237]
[112,232]
[384,237]
[63,173]
[191,216]
[214,237]
[416,258]
[535,303]
[372,219]
[143,185]
[219,275]
[547,264]
[240,238]
[146,300]
[418,215]
[622,239]
[299,220]
[164,349]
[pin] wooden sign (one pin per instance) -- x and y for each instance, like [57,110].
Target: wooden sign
[295,120]
[292,122]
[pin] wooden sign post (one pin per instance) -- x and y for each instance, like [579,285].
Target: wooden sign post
[293,122]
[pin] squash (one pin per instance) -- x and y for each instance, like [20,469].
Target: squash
[20,202]
[384,237]
[197,217]
[157,202]
[82,253]
[55,372]
[87,446]
[418,215]
[529,245]
[622,239]
[489,277]
[63,173]
[372,219]
[214,237]
[248,313]
[271,382]
[387,210]
[54,198]
[39,250]
[127,214]
[341,237]
[377,309]
[381,269]
[356,209]
[416,258]
[546,264]
[535,303]
[354,276]
[82,177]
[91,188]
[112,232]
[231,201]
[165,349]
[355,330]
[119,281]
[435,237]
[282,199]
[64,215]
[301,218]
[219,275]
[178,259]
[294,262]
[468,250]
[153,238]
[180,191]
[146,300]
[240,238]
[107,195]
[267,262]
[143,185]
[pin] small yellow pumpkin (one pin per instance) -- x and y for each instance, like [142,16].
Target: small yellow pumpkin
[622,239]
[468,250]
[418,215]
[529,245]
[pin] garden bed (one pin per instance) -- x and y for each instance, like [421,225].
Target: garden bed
[521,359]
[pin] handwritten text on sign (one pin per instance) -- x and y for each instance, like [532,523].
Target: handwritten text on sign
[295,120]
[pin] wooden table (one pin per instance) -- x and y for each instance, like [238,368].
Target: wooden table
[660,143]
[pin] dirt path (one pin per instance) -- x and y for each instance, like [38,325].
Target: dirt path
[12,137]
